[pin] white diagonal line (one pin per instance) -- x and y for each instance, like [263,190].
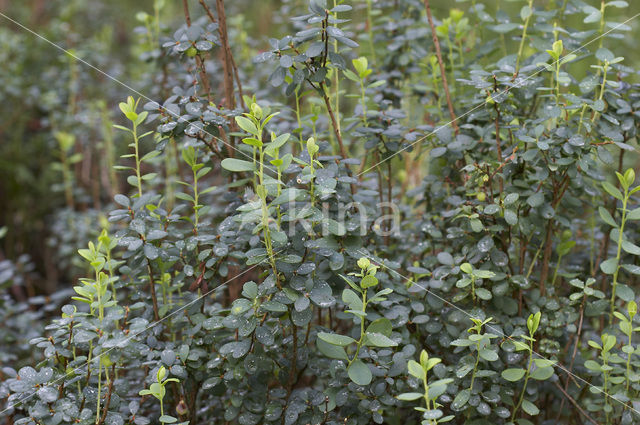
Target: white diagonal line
[517,85]
[128,338]
[128,87]
[493,328]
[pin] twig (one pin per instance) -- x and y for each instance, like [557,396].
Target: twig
[336,129]
[497,124]
[226,63]
[152,284]
[589,418]
[204,78]
[434,35]
[233,61]
[109,392]
[575,351]
[547,244]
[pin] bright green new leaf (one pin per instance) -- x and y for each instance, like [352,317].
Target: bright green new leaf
[513,374]
[237,165]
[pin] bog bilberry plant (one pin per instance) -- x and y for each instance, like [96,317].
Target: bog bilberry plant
[392,212]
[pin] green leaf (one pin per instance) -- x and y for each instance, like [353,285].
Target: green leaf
[237,165]
[629,177]
[483,294]
[252,141]
[592,365]
[533,322]
[437,388]
[379,296]
[606,217]
[382,326]
[352,299]
[617,3]
[336,339]
[466,268]
[250,290]
[529,407]
[149,176]
[631,248]
[157,390]
[240,306]
[489,355]
[351,75]
[476,225]
[511,198]
[312,147]
[542,373]
[359,373]
[150,155]
[540,363]
[377,84]
[624,292]
[565,247]
[593,14]
[429,363]
[374,339]
[510,217]
[632,268]
[484,274]
[415,369]
[461,399]
[368,281]
[612,190]
[166,419]
[203,172]
[557,48]
[361,314]
[133,181]
[594,345]
[634,214]
[609,266]
[364,263]
[462,283]
[276,144]
[247,125]
[185,197]
[274,306]
[598,105]
[334,227]
[504,27]
[513,374]
[361,65]
[410,396]
[331,351]
[351,283]
[568,58]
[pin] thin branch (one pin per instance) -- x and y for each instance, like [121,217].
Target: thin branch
[336,129]
[587,417]
[204,78]
[454,124]
[152,284]
[575,351]
[226,63]
[233,61]
[109,392]
[497,124]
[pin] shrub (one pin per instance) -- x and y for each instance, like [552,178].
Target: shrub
[406,224]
